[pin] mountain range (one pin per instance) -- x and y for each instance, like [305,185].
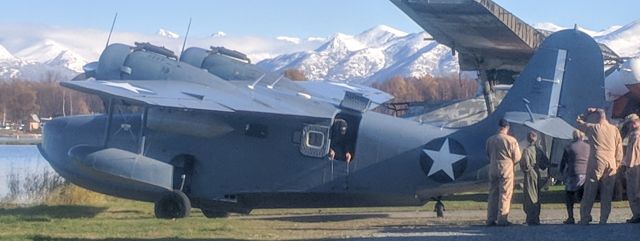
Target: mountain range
[382,52]
[374,55]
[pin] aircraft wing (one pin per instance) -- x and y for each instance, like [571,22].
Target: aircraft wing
[478,30]
[334,92]
[481,31]
[184,94]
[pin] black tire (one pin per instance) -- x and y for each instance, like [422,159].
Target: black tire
[173,204]
[209,213]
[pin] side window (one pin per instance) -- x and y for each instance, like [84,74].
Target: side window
[314,141]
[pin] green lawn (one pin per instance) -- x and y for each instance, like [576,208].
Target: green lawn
[117,219]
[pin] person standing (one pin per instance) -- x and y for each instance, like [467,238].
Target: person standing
[503,151]
[438,208]
[631,168]
[606,154]
[531,163]
[574,168]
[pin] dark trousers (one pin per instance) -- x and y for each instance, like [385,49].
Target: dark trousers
[532,209]
[572,197]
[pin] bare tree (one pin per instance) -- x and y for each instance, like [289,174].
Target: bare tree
[295,74]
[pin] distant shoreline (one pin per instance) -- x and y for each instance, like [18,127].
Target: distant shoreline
[20,140]
[19,143]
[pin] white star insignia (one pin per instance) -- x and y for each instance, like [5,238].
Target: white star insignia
[443,160]
[126,86]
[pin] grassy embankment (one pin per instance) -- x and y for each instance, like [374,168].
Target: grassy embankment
[107,218]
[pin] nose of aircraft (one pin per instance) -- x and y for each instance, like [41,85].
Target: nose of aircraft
[52,146]
[62,134]
[74,147]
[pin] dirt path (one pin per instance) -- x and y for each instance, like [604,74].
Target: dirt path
[457,225]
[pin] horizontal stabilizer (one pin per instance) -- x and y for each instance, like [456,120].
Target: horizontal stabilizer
[551,126]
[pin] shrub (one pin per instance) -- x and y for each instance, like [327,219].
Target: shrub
[46,187]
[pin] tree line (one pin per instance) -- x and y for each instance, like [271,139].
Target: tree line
[19,99]
[428,88]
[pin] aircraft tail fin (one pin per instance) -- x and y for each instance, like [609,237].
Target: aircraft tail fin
[563,78]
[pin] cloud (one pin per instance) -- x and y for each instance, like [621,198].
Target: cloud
[318,39]
[293,40]
[219,34]
[89,43]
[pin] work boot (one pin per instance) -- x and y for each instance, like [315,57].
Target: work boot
[585,221]
[633,220]
[503,223]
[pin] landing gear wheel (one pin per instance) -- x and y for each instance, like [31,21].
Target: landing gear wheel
[173,204]
[209,213]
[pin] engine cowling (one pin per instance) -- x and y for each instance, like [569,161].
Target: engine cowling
[224,63]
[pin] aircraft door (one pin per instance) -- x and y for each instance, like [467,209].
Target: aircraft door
[183,170]
[342,149]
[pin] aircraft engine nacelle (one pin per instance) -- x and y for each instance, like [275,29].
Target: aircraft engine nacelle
[109,66]
[224,63]
[116,62]
[623,88]
[624,80]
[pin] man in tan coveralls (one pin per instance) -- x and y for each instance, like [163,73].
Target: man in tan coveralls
[631,168]
[606,154]
[503,151]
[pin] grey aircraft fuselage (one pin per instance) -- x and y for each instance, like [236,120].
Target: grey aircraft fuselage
[257,157]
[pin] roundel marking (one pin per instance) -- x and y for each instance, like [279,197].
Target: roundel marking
[443,160]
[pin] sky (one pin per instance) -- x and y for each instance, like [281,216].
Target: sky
[301,18]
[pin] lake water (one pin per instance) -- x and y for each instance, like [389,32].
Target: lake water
[23,160]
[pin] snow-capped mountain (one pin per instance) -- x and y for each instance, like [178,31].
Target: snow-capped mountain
[382,52]
[168,34]
[40,61]
[52,53]
[375,54]
[4,54]
[624,40]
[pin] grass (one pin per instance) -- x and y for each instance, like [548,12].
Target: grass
[117,219]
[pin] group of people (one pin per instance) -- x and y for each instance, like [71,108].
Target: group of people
[590,164]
